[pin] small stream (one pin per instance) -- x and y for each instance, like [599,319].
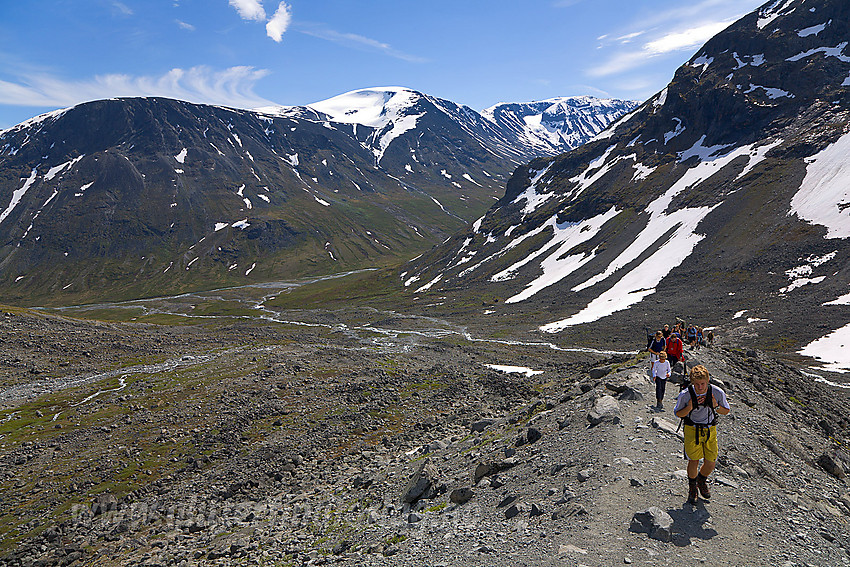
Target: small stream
[254,297]
[35,389]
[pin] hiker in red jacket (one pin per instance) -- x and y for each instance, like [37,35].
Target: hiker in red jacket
[674,349]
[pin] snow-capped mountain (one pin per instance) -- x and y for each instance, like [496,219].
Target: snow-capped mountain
[515,131]
[722,200]
[131,197]
[560,124]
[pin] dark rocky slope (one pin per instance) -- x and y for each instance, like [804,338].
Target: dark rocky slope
[719,195]
[130,198]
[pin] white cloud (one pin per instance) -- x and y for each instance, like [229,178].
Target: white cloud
[279,23]
[680,29]
[228,87]
[122,8]
[359,42]
[628,37]
[249,9]
[687,39]
[185,26]
[621,62]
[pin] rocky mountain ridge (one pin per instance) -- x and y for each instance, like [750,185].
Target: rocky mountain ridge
[140,197]
[721,196]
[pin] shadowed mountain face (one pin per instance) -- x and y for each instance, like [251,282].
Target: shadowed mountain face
[136,197]
[723,200]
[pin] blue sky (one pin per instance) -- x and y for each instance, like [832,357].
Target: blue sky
[250,53]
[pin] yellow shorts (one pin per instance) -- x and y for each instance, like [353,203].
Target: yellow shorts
[704,447]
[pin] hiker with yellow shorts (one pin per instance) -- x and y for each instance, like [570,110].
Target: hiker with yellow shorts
[698,405]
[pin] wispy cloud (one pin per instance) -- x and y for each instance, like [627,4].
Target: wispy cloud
[249,9]
[686,39]
[227,87]
[678,30]
[121,8]
[184,25]
[279,23]
[359,42]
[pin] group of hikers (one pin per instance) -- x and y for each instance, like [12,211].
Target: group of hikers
[698,403]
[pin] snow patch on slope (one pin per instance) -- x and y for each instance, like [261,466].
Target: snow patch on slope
[824,195]
[18,194]
[673,233]
[832,350]
[556,266]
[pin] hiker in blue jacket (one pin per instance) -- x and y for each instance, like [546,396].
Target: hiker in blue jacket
[655,348]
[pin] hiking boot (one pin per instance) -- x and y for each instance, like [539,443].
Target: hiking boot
[692,491]
[703,487]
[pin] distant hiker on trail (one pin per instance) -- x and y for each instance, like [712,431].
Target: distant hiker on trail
[711,337]
[660,374]
[700,338]
[692,336]
[698,406]
[675,349]
[656,348]
[666,331]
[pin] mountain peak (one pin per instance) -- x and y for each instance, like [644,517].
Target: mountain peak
[375,107]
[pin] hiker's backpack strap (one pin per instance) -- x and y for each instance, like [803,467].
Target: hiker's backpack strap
[694,405]
[709,403]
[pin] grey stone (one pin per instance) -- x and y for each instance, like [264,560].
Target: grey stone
[104,503]
[667,427]
[655,522]
[599,372]
[487,469]
[630,394]
[571,510]
[506,501]
[514,510]
[461,495]
[828,463]
[584,475]
[606,409]
[482,424]
[421,484]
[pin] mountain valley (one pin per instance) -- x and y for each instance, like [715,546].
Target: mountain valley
[387,329]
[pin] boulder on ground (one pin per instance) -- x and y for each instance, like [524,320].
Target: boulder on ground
[631,394]
[599,372]
[606,409]
[655,522]
[104,503]
[490,468]
[461,495]
[667,427]
[831,465]
[482,424]
[422,483]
